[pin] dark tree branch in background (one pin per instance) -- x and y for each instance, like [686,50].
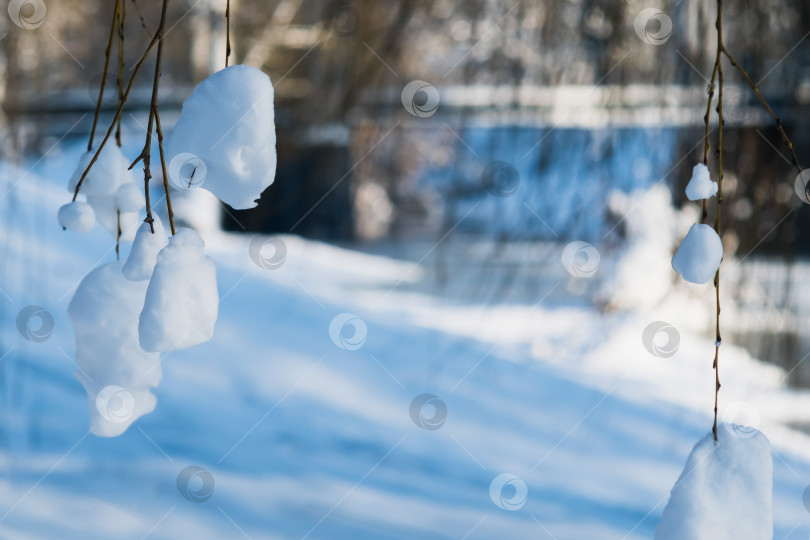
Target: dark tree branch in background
[107,53]
[143,22]
[776,119]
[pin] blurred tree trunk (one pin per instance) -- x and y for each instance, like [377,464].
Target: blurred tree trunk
[207,28]
[9,97]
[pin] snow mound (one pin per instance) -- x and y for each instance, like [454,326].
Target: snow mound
[699,255]
[77,217]
[110,188]
[144,252]
[116,373]
[724,491]
[129,198]
[107,215]
[182,300]
[701,185]
[640,278]
[225,138]
[109,172]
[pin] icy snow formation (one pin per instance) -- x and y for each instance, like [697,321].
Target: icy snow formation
[110,187]
[129,198]
[225,139]
[182,300]
[144,252]
[701,185]
[724,491]
[109,172]
[116,373]
[77,217]
[106,214]
[640,278]
[699,255]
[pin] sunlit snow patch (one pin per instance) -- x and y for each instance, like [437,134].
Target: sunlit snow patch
[182,301]
[700,185]
[225,139]
[725,491]
[116,373]
[699,255]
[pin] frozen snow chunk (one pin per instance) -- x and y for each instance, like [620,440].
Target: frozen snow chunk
[116,373]
[145,249]
[699,255]
[77,216]
[109,172]
[225,139]
[701,185]
[106,211]
[129,198]
[725,491]
[182,300]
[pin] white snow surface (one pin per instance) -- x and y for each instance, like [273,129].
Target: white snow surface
[305,439]
[182,301]
[699,255]
[725,491]
[109,172]
[110,187]
[227,133]
[145,248]
[77,217]
[111,366]
[700,185]
[129,198]
[106,212]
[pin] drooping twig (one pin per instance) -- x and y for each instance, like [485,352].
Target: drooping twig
[718,75]
[721,121]
[140,16]
[227,31]
[118,234]
[776,119]
[165,173]
[704,213]
[120,83]
[135,71]
[146,153]
[121,19]
[107,52]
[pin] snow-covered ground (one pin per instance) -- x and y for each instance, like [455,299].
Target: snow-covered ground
[301,431]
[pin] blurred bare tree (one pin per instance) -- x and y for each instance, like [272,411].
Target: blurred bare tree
[352,159]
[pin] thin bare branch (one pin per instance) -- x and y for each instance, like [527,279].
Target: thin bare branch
[165,173]
[706,145]
[107,53]
[768,108]
[721,121]
[118,235]
[117,115]
[146,153]
[140,16]
[227,31]
[121,20]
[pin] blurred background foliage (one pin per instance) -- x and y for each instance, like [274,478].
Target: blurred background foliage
[566,94]
[528,68]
